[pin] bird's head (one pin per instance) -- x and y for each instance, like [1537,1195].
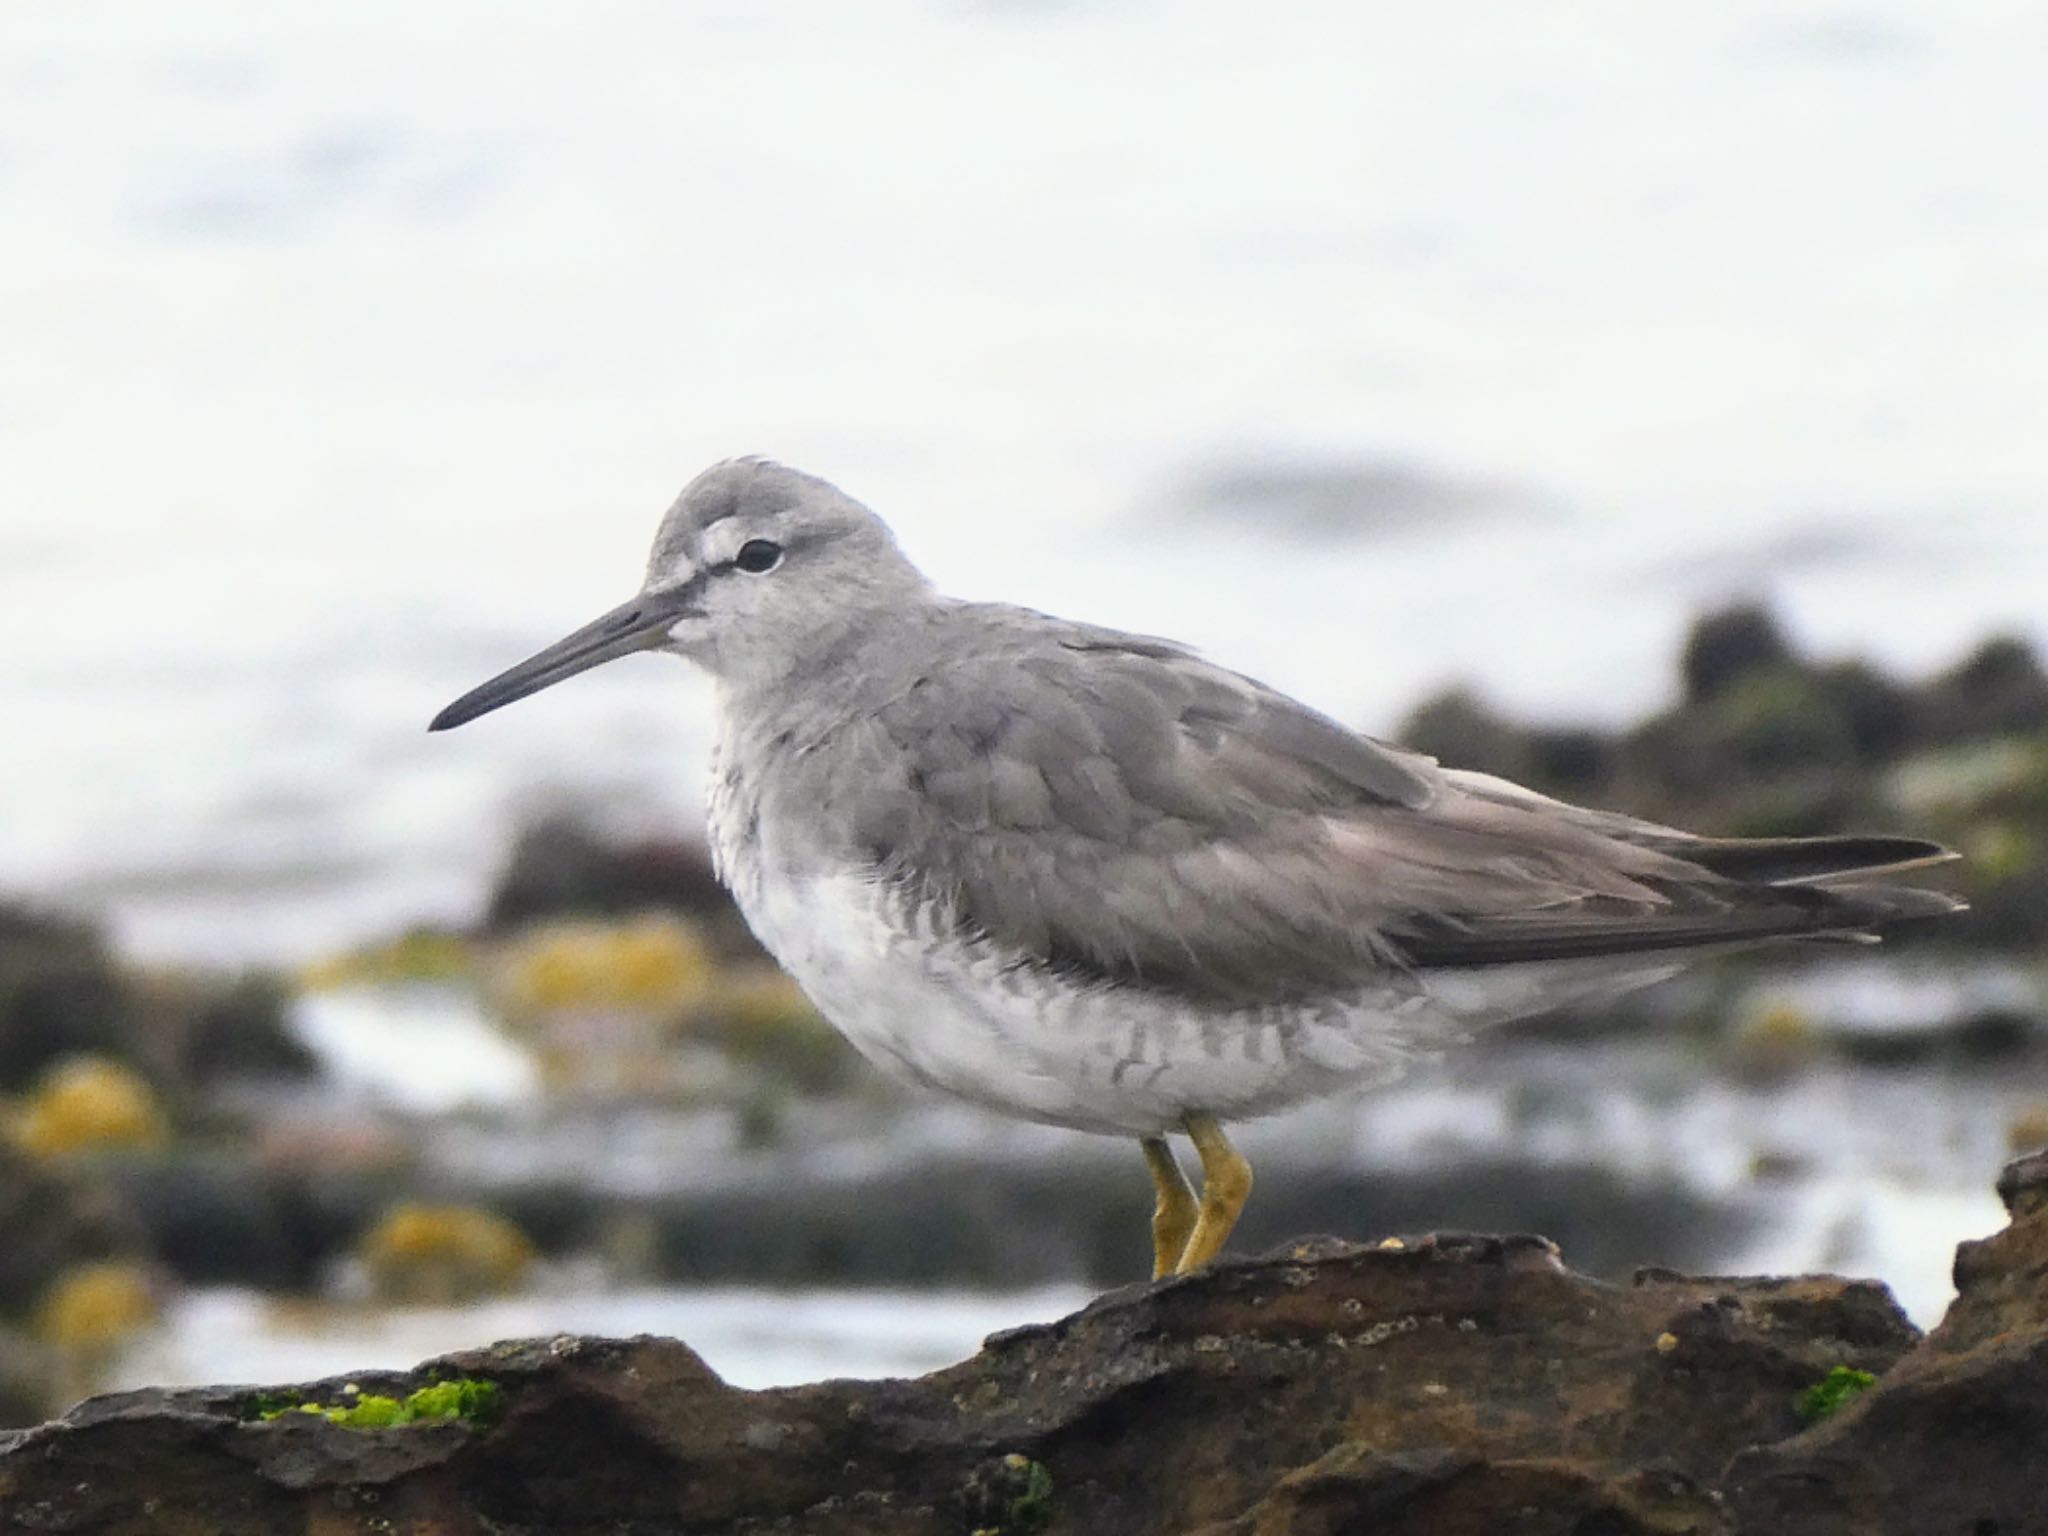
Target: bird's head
[755,567]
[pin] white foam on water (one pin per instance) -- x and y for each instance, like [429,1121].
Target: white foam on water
[422,1050]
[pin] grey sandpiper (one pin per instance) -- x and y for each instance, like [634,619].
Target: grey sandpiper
[1091,879]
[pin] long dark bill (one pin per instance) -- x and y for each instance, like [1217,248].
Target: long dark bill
[639,625]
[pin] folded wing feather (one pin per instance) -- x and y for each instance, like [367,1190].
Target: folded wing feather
[1155,820]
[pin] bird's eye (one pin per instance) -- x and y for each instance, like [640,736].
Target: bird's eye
[758,555]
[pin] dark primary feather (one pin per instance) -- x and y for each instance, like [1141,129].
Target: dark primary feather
[1134,814]
[1812,860]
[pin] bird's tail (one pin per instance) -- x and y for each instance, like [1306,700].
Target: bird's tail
[1853,870]
[1810,860]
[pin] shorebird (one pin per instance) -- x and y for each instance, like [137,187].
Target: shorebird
[1091,879]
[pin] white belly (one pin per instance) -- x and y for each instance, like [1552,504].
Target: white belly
[964,1018]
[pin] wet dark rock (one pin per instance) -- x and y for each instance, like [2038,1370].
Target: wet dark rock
[1778,720]
[1878,710]
[561,866]
[240,1030]
[60,994]
[1752,764]
[1574,761]
[964,1221]
[1999,689]
[1730,644]
[1459,728]
[1460,1383]
[212,1217]
[63,994]
[50,1220]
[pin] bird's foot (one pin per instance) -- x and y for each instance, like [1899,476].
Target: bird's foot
[1174,1215]
[1226,1185]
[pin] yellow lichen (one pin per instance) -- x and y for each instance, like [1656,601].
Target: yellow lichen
[90,1102]
[417,955]
[1774,1041]
[444,1253]
[759,997]
[653,965]
[91,1308]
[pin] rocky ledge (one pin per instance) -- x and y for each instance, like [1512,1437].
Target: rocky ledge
[1451,1384]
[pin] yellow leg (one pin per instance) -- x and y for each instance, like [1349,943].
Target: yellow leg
[1173,1218]
[1226,1185]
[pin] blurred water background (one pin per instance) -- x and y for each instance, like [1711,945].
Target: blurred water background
[1376,349]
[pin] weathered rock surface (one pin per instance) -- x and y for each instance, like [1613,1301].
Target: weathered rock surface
[1955,1437]
[1459,1384]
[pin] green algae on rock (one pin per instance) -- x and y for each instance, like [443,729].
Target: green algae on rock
[1011,1496]
[1826,1396]
[458,1398]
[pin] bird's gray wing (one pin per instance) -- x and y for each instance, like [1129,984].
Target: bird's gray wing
[1130,813]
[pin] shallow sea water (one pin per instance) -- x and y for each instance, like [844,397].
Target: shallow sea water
[1368,347]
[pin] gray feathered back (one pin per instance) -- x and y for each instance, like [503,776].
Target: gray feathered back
[1135,815]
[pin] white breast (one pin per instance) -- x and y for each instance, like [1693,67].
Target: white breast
[924,1005]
